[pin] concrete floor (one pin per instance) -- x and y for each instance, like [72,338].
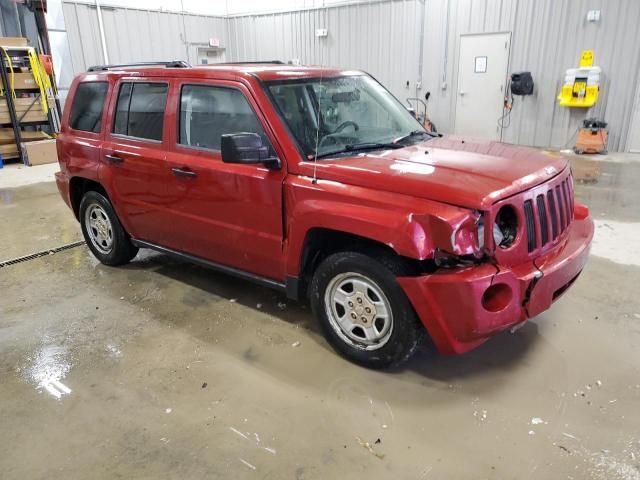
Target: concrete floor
[165,370]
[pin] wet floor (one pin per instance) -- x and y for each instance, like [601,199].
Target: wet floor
[34,218]
[165,370]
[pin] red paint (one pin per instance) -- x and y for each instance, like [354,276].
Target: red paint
[450,303]
[418,200]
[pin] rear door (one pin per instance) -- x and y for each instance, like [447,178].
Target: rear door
[135,170]
[226,213]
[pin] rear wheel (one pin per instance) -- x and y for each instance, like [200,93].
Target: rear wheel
[364,313]
[103,232]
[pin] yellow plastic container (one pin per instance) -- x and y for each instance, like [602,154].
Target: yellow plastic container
[581,85]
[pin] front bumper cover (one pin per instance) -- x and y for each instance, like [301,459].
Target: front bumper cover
[449,303]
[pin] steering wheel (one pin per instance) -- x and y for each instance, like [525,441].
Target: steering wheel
[346,124]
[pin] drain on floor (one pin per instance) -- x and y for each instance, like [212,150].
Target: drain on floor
[33,256]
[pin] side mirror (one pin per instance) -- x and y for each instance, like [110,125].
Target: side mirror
[246,148]
[412,111]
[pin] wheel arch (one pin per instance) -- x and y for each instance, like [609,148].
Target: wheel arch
[320,242]
[78,187]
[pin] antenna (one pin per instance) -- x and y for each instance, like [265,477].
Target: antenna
[315,153]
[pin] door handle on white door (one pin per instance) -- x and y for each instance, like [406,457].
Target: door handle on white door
[462,93]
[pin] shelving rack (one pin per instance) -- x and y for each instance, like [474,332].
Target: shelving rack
[18,60]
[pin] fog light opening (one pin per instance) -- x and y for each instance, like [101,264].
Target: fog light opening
[497,297]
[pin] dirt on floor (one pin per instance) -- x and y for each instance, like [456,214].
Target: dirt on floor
[162,369]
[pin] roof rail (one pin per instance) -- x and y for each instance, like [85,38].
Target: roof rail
[172,64]
[255,62]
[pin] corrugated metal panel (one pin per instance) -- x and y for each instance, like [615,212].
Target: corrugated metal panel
[633,138]
[83,34]
[134,35]
[547,38]
[381,38]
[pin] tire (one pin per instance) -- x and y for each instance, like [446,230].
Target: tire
[374,340]
[105,236]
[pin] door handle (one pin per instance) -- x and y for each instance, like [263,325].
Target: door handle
[114,158]
[462,93]
[180,172]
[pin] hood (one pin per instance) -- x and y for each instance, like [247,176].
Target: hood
[463,172]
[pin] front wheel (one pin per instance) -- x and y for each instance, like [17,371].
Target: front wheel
[364,313]
[103,232]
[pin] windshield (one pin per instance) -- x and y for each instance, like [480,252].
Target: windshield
[355,111]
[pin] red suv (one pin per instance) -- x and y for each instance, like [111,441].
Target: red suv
[319,183]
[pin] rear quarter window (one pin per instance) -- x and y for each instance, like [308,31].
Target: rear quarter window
[140,110]
[87,106]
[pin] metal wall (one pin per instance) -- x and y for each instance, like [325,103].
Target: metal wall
[382,38]
[134,35]
[385,39]
[547,37]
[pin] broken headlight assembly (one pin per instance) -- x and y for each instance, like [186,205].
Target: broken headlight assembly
[468,239]
[505,228]
[442,259]
[467,243]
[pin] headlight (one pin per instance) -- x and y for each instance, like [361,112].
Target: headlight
[497,233]
[481,232]
[505,228]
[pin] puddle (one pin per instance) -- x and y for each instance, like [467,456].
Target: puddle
[586,171]
[49,367]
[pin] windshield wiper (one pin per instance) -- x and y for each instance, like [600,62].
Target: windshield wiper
[415,133]
[361,147]
[370,146]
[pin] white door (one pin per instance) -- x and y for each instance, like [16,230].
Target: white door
[634,129]
[482,78]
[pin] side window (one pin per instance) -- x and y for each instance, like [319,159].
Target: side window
[87,106]
[140,110]
[206,113]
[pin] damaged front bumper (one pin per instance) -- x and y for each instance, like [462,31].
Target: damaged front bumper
[461,309]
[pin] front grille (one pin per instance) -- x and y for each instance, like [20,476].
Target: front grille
[555,209]
[542,219]
[554,214]
[531,227]
[560,209]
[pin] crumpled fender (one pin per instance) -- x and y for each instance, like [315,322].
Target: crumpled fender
[414,228]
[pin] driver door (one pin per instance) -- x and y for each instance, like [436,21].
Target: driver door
[229,214]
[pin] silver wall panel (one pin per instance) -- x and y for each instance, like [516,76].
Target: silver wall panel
[134,35]
[547,38]
[381,38]
[81,23]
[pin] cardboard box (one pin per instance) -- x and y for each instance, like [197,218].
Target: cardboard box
[7,137]
[40,152]
[9,151]
[8,147]
[21,81]
[13,42]
[30,107]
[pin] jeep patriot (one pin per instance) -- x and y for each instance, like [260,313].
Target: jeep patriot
[319,183]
